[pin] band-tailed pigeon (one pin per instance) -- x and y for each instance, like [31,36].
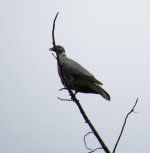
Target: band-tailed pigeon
[77,77]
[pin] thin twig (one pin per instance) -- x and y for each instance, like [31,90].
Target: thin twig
[92,150]
[85,140]
[54,56]
[131,111]
[73,96]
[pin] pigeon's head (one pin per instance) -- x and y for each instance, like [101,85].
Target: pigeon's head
[57,48]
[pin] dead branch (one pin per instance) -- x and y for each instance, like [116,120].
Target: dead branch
[73,97]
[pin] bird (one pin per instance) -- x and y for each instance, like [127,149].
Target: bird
[77,77]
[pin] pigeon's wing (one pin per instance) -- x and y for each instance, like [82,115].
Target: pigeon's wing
[75,70]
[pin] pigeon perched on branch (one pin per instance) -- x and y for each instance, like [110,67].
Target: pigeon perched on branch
[76,76]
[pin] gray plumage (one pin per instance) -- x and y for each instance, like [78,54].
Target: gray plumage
[77,77]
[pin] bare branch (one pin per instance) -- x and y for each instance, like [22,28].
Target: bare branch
[131,111]
[73,96]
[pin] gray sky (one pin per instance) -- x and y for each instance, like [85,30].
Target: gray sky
[109,38]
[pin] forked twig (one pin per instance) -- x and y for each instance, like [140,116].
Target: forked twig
[131,111]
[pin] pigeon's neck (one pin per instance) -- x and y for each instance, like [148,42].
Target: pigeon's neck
[62,57]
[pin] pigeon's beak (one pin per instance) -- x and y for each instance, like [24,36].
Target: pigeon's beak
[51,49]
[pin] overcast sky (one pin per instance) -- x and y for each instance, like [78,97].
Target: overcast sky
[109,38]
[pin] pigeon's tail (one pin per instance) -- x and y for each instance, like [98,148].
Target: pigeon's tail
[103,93]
